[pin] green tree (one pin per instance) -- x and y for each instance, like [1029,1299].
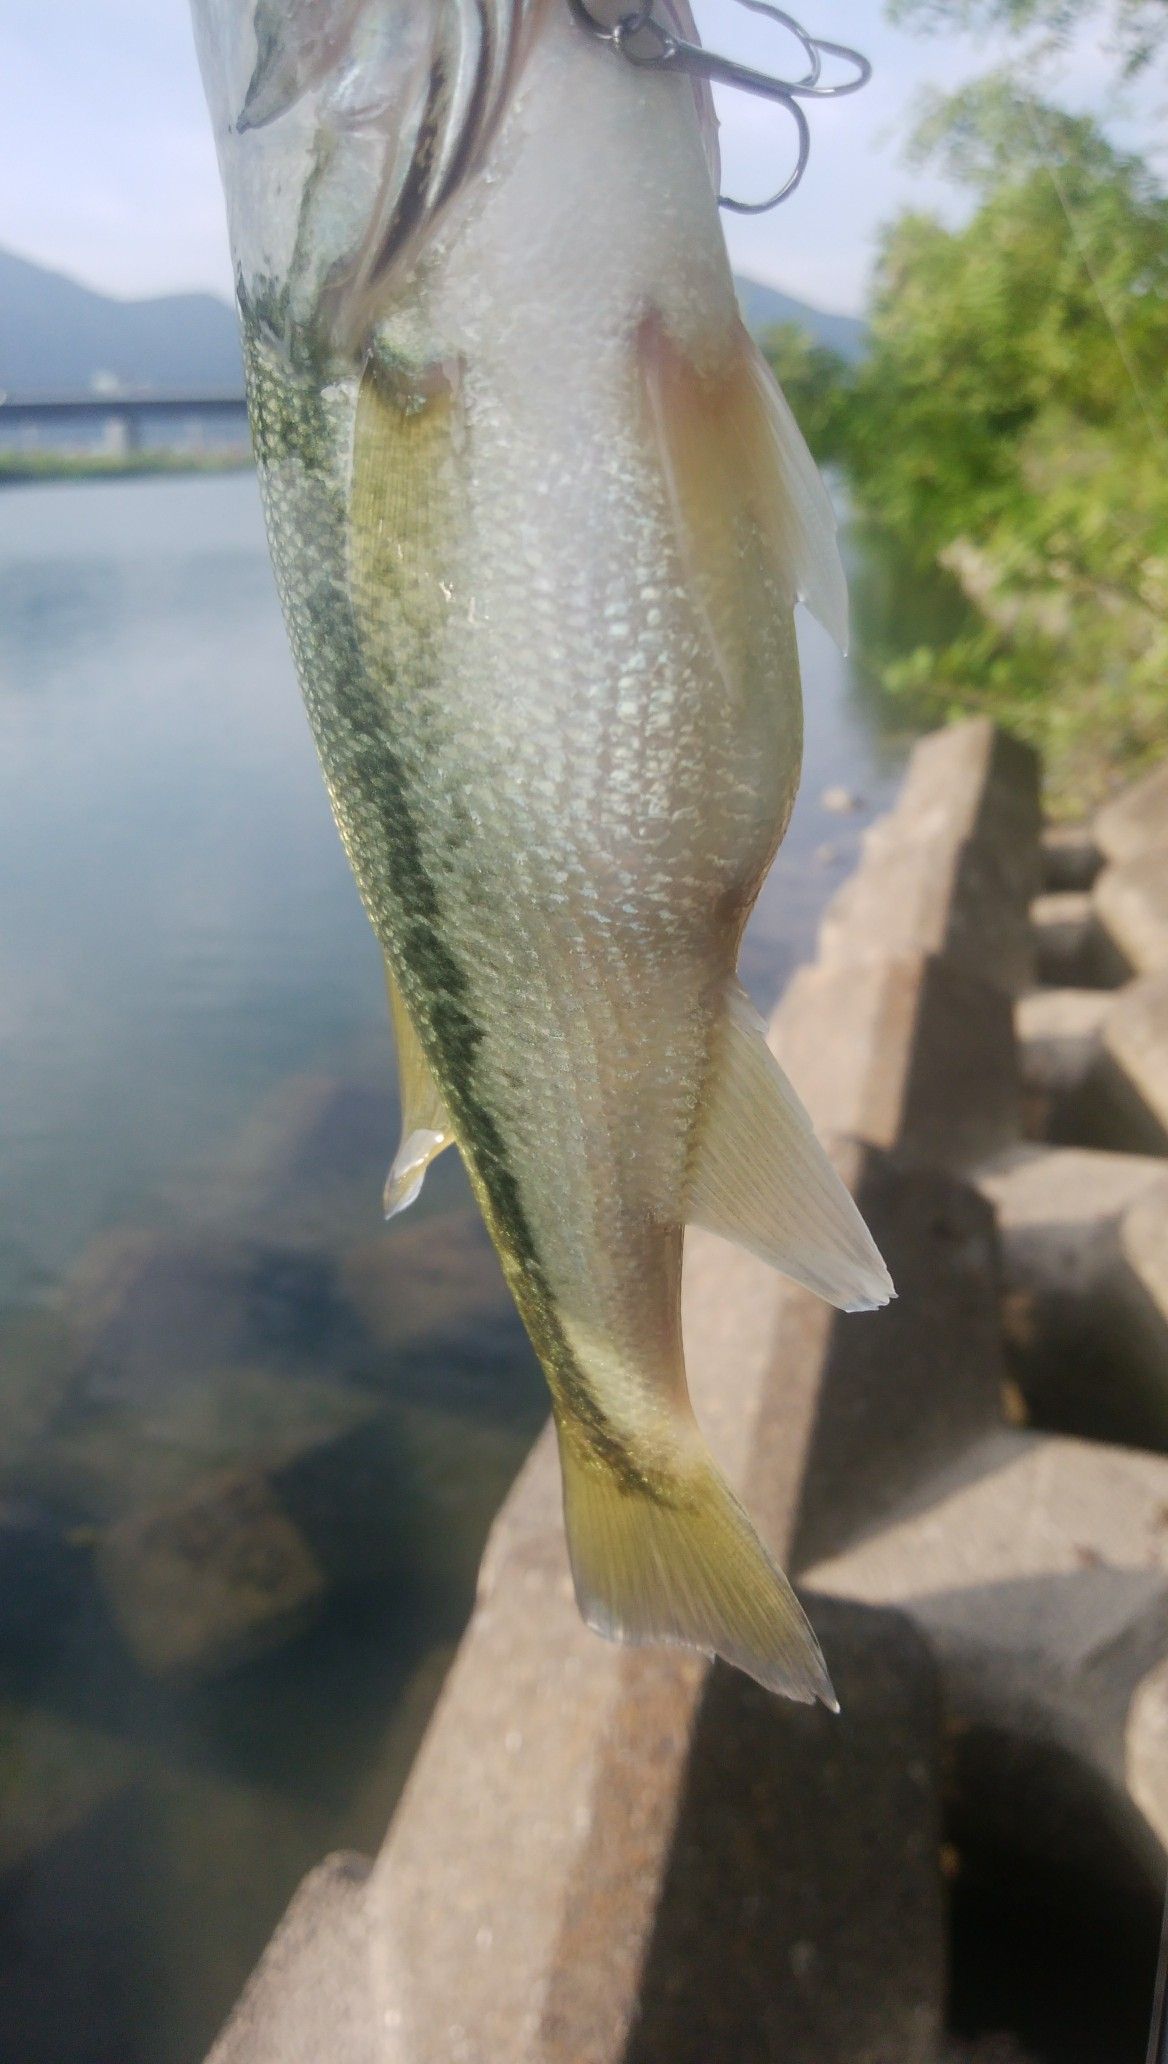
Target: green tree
[816,382]
[1011,422]
[1139,28]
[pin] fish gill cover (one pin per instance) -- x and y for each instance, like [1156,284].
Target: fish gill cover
[369,116]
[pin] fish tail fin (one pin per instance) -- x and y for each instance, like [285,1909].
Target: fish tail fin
[671,1556]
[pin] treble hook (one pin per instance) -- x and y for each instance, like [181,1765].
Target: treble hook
[643,41]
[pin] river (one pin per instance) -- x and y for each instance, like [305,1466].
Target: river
[250,1440]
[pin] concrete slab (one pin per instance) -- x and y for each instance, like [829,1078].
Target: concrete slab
[1136,1299]
[952,869]
[802,1915]
[1037,1568]
[909,1053]
[311,1998]
[1137,819]
[601,1852]
[1071,859]
[1060,1040]
[1133,1078]
[1131,905]
[1076,1339]
[972,782]
[928,895]
[1146,1749]
[605,1933]
[1071,948]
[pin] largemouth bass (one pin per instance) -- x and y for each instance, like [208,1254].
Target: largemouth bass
[539,519]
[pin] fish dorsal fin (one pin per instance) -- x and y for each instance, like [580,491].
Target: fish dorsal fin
[758,1175]
[739,473]
[425,1125]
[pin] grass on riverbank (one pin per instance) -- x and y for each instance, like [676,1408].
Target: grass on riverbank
[22,467]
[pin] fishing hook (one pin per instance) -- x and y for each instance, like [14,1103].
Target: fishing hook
[642,40]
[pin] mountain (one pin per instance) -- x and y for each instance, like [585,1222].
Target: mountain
[57,337]
[764,307]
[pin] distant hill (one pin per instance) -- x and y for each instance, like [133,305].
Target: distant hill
[57,337]
[763,307]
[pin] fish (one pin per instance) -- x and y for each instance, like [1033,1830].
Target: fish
[540,519]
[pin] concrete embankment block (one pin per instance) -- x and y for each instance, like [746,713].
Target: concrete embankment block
[1071,858]
[1133,1076]
[802,1913]
[927,895]
[1060,1042]
[972,782]
[1137,1297]
[953,868]
[594,1939]
[1071,947]
[1094,1065]
[1136,820]
[910,1053]
[602,1853]
[311,2000]
[1083,1354]
[1130,903]
[701,1868]
[606,1856]
[1037,1568]
[873,1438]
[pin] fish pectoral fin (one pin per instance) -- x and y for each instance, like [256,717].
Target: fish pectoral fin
[758,1175]
[744,487]
[425,1128]
[670,1555]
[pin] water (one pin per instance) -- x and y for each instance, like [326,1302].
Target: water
[250,1441]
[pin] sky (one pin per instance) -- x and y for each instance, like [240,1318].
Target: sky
[107,171]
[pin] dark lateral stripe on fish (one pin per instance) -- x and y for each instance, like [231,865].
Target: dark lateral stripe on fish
[293,423]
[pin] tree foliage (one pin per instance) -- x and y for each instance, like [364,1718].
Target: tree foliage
[815,381]
[1139,28]
[1011,423]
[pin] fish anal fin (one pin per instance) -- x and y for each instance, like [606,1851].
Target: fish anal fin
[425,1126]
[674,1558]
[758,1175]
[748,499]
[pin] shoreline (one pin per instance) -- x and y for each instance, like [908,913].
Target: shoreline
[24,469]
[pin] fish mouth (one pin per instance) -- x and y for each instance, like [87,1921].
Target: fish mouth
[385,109]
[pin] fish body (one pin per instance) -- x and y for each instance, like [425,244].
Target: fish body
[539,521]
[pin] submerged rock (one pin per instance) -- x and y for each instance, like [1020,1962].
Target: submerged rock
[150,1312]
[210,1581]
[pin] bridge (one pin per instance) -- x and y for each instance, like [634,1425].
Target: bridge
[122,421]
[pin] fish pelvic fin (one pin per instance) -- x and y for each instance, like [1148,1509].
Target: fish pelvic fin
[744,488]
[425,1124]
[670,1556]
[758,1175]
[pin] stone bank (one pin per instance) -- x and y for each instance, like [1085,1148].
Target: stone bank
[604,1854]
